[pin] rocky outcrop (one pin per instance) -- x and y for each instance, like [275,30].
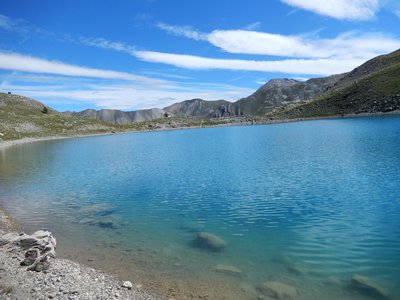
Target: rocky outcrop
[203,108]
[209,242]
[279,92]
[278,290]
[37,249]
[119,117]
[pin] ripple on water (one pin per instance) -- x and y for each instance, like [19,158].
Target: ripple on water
[307,204]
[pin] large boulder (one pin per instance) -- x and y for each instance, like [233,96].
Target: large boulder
[36,249]
[278,290]
[366,286]
[209,241]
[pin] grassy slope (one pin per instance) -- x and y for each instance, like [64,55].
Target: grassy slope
[22,117]
[377,91]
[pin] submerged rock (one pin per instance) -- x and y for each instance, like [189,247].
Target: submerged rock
[366,286]
[228,269]
[87,221]
[37,249]
[107,223]
[278,290]
[209,241]
[296,270]
[97,210]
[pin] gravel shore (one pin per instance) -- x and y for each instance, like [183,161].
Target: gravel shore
[64,279]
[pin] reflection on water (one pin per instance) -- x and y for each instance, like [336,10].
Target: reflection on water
[306,205]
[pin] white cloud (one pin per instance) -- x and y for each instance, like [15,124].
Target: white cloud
[288,66]
[185,31]
[19,62]
[347,45]
[339,9]
[346,49]
[124,96]
[307,55]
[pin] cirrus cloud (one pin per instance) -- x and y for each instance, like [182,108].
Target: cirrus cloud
[339,9]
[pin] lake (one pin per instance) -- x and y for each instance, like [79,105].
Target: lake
[306,204]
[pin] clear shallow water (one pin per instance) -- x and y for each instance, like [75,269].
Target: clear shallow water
[308,204]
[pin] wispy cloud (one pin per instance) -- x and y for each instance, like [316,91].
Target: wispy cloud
[185,31]
[339,9]
[252,26]
[118,95]
[20,62]
[288,66]
[106,44]
[13,25]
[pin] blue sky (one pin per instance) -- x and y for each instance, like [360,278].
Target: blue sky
[137,54]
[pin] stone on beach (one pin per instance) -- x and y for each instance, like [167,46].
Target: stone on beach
[278,290]
[127,284]
[209,241]
[366,286]
[37,248]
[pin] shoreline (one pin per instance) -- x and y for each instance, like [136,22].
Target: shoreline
[255,120]
[65,279]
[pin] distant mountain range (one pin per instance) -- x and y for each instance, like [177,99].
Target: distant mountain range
[274,93]
[373,87]
[361,90]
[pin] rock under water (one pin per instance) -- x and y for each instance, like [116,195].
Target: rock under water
[366,286]
[209,241]
[278,290]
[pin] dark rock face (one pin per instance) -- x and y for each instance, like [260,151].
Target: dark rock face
[37,249]
[209,242]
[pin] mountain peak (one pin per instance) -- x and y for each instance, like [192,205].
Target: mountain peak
[281,82]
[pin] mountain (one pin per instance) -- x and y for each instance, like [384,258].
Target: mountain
[279,92]
[373,87]
[202,108]
[24,117]
[275,93]
[120,117]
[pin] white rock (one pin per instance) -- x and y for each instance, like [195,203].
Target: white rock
[127,284]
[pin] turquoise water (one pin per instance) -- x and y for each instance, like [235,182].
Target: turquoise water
[307,204]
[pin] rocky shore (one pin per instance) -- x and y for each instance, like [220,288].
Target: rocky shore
[30,270]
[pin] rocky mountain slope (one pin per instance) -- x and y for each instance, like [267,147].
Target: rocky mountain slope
[274,93]
[120,117]
[203,108]
[279,92]
[373,87]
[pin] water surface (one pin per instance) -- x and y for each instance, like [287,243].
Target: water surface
[308,204]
